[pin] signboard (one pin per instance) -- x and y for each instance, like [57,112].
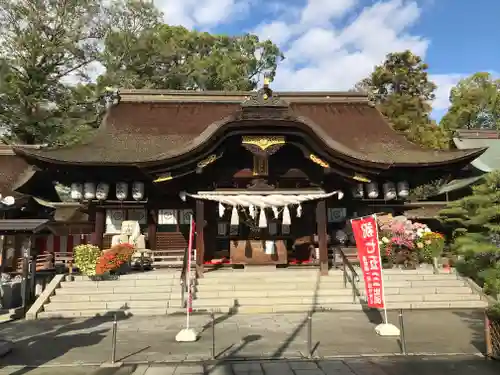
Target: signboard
[366,236]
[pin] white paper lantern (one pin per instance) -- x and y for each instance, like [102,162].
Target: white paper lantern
[137,190]
[121,190]
[403,189]
[358,191]
[89,191]
[389,191]
[102,191]
[76,191]
[372,190]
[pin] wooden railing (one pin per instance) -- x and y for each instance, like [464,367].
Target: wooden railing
[170,249]
[48,261]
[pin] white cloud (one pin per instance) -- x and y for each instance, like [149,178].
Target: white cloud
[337,54]
[277,31]
[322,11]
[444,82]
[328,44]
[201,13]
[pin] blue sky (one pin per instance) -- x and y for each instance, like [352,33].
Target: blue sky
[332,44]
[463,35]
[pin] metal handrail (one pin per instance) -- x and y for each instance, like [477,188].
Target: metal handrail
[183,279]
[435,268]
[346,264]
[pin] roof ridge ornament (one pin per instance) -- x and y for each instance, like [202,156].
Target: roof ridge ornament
[264,97]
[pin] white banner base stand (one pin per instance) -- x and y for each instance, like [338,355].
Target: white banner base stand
[387,329]
[186,335]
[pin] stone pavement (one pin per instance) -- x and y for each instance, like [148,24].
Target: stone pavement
[447,365]
[151,339]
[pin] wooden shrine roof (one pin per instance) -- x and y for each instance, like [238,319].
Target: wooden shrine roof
[12,226]
[154,126]
[11,168]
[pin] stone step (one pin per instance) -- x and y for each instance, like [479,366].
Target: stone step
[107,297]
[110,305]
[296,284]
[222,276]
[431,297]
[119,283]
[111,294]
[438,305]
[201,294]
[168,262]
[290,307]
[119,290]
[103,312]
[211,302]
[455,286]
[400,294]
[151,275]
[260,309]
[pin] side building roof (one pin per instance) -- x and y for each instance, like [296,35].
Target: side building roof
[489,161]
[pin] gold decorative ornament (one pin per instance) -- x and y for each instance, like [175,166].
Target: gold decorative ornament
[319,161]
[207,161]
[360,178]
[163,178]
[260,166]
[263,142]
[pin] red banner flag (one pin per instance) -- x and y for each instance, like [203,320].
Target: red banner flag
[366,236]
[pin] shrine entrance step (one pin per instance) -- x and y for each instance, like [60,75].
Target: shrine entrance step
[269,268]
[256,291]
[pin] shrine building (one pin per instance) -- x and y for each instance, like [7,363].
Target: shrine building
[270,178]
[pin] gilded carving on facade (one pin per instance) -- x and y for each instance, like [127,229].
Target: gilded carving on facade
[264,98]
[260,166]
[360,178]
[319,161]
[263,145]
[163,178]
[207,161]
[263,142]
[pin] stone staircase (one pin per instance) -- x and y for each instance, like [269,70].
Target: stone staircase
[254,291]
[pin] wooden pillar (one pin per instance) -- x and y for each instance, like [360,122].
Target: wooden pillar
[152,223]
[99,227]
[200,241]
[25,284]
[322,237]
[3,260]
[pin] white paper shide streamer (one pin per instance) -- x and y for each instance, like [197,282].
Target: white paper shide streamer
[257,204]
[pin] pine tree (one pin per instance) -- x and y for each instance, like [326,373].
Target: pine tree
[475,219]
[401,90]
[475,224]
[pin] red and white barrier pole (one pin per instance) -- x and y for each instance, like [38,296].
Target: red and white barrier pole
[188,334]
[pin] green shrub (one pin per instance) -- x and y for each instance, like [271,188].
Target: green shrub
[483,268]
[86,258]
[491,280]
[494,312]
